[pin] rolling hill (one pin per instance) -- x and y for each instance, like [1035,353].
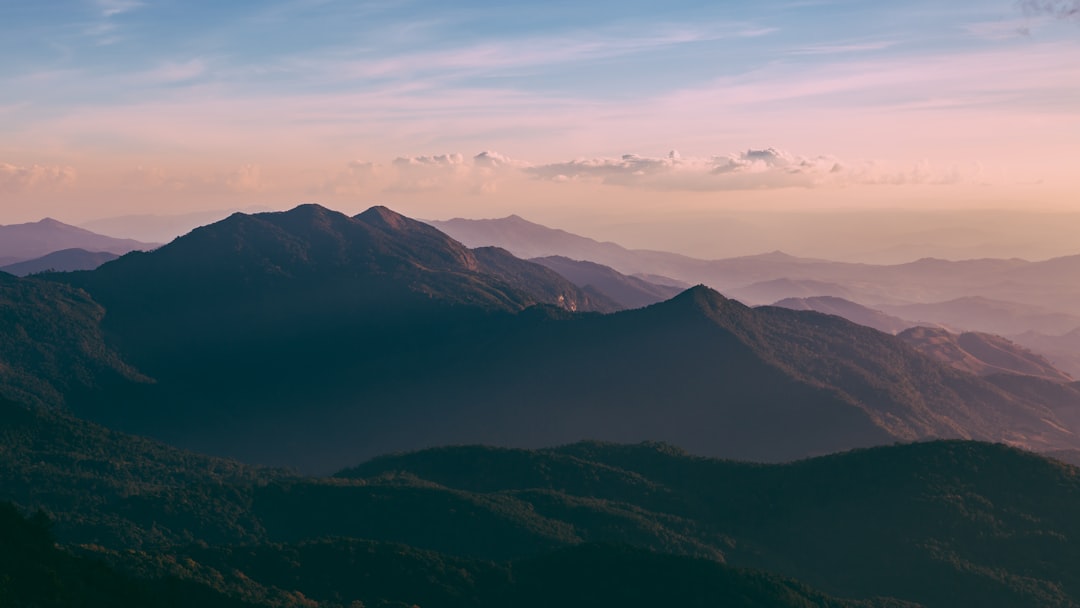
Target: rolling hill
[64,260]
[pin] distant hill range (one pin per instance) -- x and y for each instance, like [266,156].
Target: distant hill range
[311,339]
[21,242]
[1044,287]
[65,260]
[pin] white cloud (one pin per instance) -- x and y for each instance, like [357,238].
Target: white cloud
[752,169]
[111,8]
[15,178]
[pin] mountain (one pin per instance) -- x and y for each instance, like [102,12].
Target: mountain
[1062,350]
[981,354]
[20,242]
[856,313]
[64,260]
[772,276]
[977,313]
[276,349]
[627,291]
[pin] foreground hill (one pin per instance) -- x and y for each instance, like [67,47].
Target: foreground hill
[473,526]
[19,242]
[310,339]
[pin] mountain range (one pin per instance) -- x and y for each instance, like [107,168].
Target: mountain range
[1043,286]
[311,339]
[169,423]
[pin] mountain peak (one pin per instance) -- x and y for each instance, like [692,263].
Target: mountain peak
[384,217]
[701,297]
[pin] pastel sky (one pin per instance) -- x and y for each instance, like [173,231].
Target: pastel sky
[545,109]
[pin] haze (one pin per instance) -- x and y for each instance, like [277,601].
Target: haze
[851,130]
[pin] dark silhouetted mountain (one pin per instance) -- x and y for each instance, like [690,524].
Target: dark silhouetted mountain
[298,339]
[310,339]
[627,291]
[856,313]
[51,343]
[20,242]
[64,260]
[981,354]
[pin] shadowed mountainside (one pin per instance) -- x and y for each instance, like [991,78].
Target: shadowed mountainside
[311,339]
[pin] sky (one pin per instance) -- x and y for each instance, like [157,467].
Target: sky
[592,115]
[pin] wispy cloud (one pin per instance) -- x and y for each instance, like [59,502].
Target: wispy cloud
[1060,9]
[527,52]
[110,8]
[835,49]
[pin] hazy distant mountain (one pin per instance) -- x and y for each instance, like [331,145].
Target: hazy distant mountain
[20,242]
[769,277]
[856,313]
[980,353]
[526,239]
[64,260]
[770,291]
[1063,350]
[627,291]
[977,313]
